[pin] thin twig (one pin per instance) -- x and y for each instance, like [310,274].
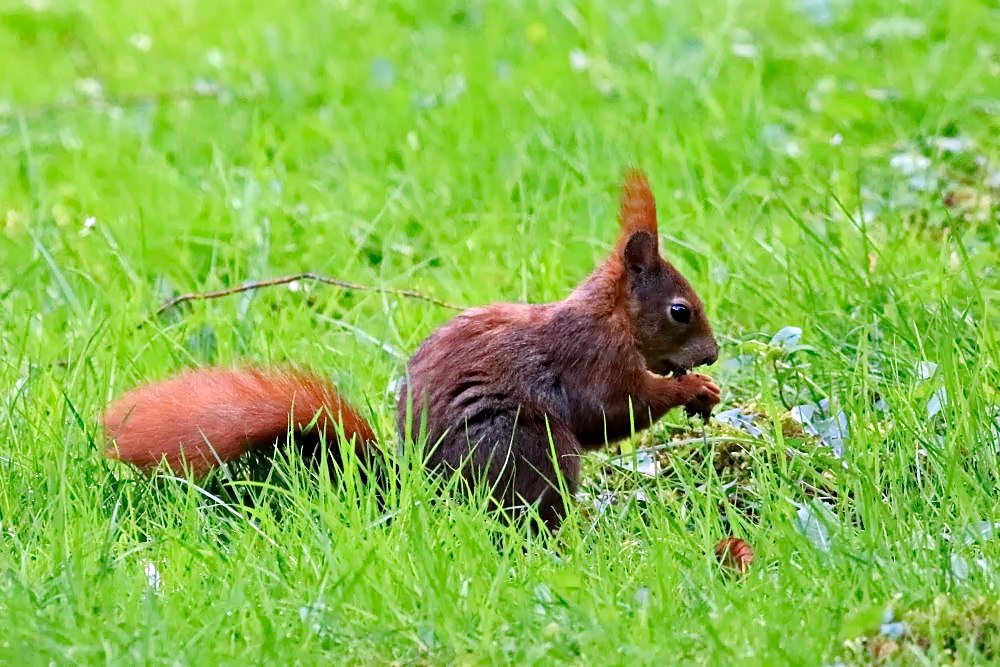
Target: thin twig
[284,280]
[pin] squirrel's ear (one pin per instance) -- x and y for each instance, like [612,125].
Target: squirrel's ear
[637,212]
[639,254]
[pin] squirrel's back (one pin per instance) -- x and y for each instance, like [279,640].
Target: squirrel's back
[204,417]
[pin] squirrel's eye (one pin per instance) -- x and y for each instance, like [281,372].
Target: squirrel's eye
[680,313]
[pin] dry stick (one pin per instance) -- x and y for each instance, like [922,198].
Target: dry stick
[284,280]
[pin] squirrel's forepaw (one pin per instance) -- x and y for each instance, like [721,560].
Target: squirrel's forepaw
[701,395]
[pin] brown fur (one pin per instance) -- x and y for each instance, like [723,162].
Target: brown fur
[504,391]
[509,394]
[206,416]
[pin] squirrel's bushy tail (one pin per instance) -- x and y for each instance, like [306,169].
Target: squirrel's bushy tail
[205,417]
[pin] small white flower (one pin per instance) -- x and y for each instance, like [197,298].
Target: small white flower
[578,60]
[744,50]
[910,163]
[141,42]
[90,222]
[953,144]
[215,58]
[153,575]
[836,139]
[92,88]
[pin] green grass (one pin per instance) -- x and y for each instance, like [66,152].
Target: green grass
[455,149]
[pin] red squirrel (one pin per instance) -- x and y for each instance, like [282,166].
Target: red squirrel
[505,393]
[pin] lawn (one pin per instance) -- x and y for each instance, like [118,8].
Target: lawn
[828,178]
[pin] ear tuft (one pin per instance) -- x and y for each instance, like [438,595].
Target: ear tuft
[639,254]
[638,207]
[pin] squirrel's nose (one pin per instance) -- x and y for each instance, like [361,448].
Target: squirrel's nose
[711,357]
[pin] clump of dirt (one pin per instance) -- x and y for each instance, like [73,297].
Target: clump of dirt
[666,459]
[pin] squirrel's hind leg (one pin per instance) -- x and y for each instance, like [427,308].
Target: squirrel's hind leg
[526,457]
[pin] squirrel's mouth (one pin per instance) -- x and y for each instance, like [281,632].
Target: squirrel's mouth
[667,368]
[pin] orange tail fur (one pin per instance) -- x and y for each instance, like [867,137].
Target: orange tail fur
[205,417]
